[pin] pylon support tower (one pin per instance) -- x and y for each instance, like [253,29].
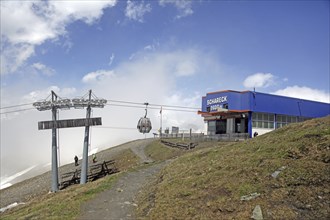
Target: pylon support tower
[56,103]
[54,147]
[84,165]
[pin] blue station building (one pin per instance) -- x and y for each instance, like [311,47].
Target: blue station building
[247,112]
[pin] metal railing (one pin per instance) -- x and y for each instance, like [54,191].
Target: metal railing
[198,137]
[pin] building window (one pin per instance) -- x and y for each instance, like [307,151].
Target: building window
[301,119]
[263,120]
[282,120]
[211,127]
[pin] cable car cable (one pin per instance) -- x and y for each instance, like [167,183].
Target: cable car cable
[159,105]
[14,106]
[169,107]
[20,110]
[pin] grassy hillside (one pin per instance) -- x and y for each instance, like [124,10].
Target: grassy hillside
[211,183]
[66,203]
[287,171]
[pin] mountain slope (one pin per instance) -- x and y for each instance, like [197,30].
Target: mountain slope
[285,172]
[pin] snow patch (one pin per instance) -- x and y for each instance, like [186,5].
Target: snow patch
[11,206]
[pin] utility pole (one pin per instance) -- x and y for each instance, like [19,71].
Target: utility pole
[83,177]
[54,146]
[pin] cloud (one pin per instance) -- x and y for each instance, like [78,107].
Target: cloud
[186,68]
[151,77]
[111,59]
[152,47]
[38,95]
[43,69]
[21,139]
[98,75]
[180,63]
[136,11]
[184,120]
[184,7]
[305,93]
[148,77]
[27,24]
[259,80]
[14,56]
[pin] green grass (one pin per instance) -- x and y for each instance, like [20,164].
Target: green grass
[64,204]
[126,160]
[208,183]
[159,152]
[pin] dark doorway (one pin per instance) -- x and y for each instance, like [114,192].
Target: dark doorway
[221,126]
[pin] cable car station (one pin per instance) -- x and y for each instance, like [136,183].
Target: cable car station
[244,113]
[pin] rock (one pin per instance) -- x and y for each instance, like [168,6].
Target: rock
[275,174]
[249,197]
[257,213]
[119,190]
[282,168]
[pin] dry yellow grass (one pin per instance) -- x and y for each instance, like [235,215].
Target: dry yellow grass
[209,183]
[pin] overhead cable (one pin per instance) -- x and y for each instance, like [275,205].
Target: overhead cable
[150,104]
[128,104]
[119,128]
[168,109]
[19,110]
[14,106]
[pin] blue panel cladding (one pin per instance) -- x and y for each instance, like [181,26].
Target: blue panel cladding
[267,103]
[246,100]
[250,124]
[313,109]
[234,99]
[204,104]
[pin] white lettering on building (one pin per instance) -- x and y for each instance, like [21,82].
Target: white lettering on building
[214,107]
[216,100]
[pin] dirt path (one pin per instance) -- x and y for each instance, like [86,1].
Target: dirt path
[119,202]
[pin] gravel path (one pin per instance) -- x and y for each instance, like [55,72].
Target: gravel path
[119,202]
